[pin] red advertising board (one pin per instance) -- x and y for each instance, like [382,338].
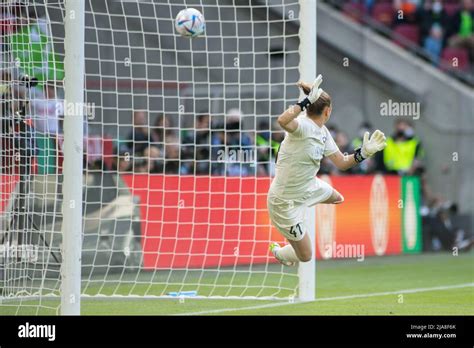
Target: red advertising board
[201,221]
[369,218]
[7,186]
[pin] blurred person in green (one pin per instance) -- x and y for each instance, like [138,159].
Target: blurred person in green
[461,31]
[404,152]
[31,47]
[267,143]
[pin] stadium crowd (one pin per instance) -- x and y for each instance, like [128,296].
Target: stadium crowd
[226,149]
[444,29]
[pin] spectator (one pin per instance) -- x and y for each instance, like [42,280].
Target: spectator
[406,11]
[152,161]
[433,44]
[203,138]
[202,129]
[363,127]
[47,109]
[200,133]
[267,148]
[196,146]
[122,163]
[277,137]
[462,29]
[160,130]
[32,45]
[9,18]
[441,230]
[46,113]
[139,138]
[436,27]
[369,4]
[239,143]
[234,134]
[217,148]
[342,141]
[14,137]
[172,156]
[432,14]
[404,152]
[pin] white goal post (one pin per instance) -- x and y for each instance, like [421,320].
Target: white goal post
[308,71]
[71,228]
[149,154]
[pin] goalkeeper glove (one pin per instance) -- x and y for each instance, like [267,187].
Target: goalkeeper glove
[314,93]
[370,146]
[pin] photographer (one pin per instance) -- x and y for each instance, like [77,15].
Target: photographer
[442,229]
[15,131]
[47,113]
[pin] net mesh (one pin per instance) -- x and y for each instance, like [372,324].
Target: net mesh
[179,149]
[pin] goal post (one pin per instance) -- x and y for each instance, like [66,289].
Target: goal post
[308,72]
[73,157]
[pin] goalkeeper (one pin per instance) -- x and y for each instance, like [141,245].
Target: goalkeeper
[295,186]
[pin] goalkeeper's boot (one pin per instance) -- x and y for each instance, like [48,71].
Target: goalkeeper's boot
[274,247]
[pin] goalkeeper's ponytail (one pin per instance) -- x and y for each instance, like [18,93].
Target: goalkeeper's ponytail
[317,108]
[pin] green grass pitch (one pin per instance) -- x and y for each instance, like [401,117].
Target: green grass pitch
[425,284]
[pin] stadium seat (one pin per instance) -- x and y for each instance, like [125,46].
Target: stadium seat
[451,8]
[353,10]
[383,13]
[450,53]
[6,26]
[410,32]
[108,148]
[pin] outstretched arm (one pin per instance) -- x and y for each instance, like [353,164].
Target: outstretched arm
[341,161]
[369,148]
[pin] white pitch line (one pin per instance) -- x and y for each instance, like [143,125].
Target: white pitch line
[336,298]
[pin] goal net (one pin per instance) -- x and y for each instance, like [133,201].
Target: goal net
[179,150]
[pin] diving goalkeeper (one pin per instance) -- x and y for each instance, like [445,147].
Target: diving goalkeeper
[295,186]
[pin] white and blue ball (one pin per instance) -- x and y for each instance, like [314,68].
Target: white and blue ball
[190,23]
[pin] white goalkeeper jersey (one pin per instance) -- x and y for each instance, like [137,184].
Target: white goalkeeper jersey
[299,160]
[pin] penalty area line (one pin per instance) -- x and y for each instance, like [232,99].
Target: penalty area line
[336,298]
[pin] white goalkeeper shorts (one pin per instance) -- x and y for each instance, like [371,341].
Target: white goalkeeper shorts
[288,215]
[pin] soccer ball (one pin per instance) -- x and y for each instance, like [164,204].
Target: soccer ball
[190,23]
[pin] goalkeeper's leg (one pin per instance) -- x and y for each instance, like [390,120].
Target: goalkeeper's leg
[300,250]
[296,251]
[335,198]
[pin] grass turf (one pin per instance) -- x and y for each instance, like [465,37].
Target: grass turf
[376,286]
